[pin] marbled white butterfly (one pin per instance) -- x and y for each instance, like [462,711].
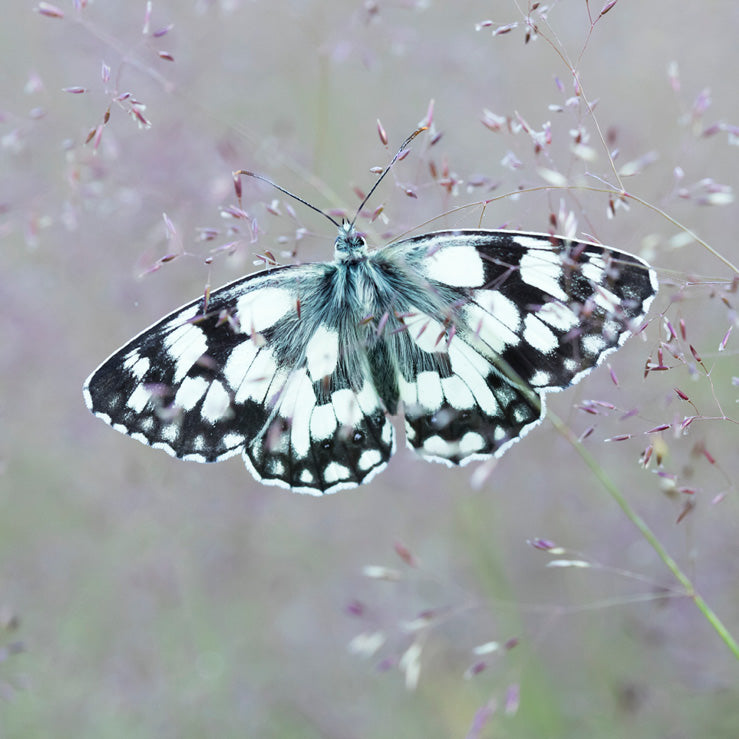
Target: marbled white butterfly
[297,368]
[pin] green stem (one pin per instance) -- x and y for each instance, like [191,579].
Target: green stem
[647,533]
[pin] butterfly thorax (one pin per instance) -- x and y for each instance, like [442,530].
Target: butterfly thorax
[349,244]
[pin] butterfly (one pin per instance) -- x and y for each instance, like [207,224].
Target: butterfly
[298,368]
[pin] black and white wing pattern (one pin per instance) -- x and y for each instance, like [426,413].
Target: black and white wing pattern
[504,318]
[261,371]
[297,368]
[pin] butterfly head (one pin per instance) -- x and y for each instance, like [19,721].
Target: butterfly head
[349,243]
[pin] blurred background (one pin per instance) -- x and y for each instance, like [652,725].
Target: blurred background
[144,596]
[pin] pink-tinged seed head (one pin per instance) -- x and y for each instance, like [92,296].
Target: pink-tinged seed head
[543,544]
[608,6]
[686,422]
[429,117]
[512,699]
[49,10]
[614,379]
[657,429]
[147,18]
[475,669]
[354,608]
[687,508]
[501,30]
[725,340]
[381,133]
[405,554]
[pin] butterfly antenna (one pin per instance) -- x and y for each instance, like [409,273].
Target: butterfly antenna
[402,149]
[283,190]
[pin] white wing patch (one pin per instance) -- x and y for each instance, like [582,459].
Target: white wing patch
[429,390]
[490,328]
[539,335]
[217,403]
[191,392]
[336,473]
[593,269]
[185,345]
[543,269]
[460,266]
[457,393]
[257,378]
[426,332]
[472,369]
[322,353]
[258,310]
[296,407]
[139,398]
[593,345]
[323,422]
[369,459]
[238,364]
[136,365]
[557,315]
[503,309]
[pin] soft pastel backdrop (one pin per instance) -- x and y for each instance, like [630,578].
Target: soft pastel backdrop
[140,596]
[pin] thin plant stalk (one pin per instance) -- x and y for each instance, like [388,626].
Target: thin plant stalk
[646,532]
